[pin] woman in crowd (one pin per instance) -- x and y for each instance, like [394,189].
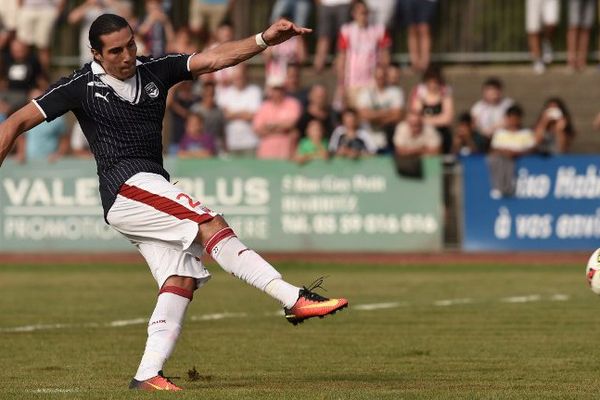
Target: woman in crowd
[554,131]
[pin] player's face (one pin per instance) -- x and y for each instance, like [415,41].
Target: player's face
[118,53]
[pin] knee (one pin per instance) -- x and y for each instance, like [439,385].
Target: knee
[208,229]
[186,283]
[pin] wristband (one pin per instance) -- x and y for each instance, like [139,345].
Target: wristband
[260,41]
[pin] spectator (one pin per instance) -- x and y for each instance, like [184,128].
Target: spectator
[127,11]
[214,119]
[240,101]
[275,123]
[179,102]
[223,34]
[206,15]
[297,11]
[382,11]
[156,29]
[361,47]
[285,56]
[554,131]
[467,139]
[541,14]
[433,99]
[393,75]
[508,143]
[85,14]
[8,21]
[332,14]
[380,107]
[415,137]
[80,147]
[196,142]
[488,113]
[47,141]
[318,108]
[582,14]
[35,26]
[349,140]
[418,15]
[182,42]
[293,85]
[20,73]
[314,145]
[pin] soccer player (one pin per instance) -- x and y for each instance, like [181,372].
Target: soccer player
[119,100]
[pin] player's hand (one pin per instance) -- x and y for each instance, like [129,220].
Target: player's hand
[281,31]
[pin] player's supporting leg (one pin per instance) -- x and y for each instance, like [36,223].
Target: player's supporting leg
[163,331]
[233,256]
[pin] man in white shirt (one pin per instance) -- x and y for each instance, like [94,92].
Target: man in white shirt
[240,101]
[488,113]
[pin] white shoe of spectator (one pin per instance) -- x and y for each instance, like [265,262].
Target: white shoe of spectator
[547,52]
[495,194]
[539,67]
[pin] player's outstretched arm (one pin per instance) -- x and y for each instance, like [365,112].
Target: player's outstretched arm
[21,121]
[234,52]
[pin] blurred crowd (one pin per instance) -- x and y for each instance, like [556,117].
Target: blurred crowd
[365,113]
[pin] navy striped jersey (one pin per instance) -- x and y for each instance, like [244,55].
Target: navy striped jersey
[125,135]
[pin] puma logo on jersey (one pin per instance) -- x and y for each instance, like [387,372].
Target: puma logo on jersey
[97,84]
[103,97]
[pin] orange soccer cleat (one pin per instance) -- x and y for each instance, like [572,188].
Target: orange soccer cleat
[311,304]
[159,382]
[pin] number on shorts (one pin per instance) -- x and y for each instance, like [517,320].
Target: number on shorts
[190,200]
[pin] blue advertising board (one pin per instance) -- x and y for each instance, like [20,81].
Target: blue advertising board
[556,205]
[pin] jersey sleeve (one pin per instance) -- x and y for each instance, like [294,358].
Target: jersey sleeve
[63,96]
[172,68]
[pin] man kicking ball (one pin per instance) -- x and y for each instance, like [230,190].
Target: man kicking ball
[119,100]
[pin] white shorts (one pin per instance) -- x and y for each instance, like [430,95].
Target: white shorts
[539,13]
[162,222]
[35,25]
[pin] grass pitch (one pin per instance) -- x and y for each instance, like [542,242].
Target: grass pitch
[411,332]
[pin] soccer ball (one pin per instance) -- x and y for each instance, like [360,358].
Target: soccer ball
[592,272]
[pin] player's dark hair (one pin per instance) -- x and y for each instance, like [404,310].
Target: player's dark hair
[103,25]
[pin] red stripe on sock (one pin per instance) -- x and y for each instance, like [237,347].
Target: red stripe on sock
[163,204]
[217,237]
[188,294]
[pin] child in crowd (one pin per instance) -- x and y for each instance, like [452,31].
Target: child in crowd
[314,145]
[196,142]
[467,140]
[348,140]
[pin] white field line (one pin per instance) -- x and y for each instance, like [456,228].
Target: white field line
[452,302]
[377,306]
[279,313]
[522,299]
[53,390]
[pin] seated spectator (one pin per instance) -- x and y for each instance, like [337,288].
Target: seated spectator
[418,15]
[314,145]
[508,143]
[206,15]
[318,108]
[80,147]
[47,141]
[20,73]
[361,46]
[180,99]
[196,142]
[331,15]
[214,119]
[415,137]
[85,14]
[380,108]
[467,139]
[488,113]
[156,29]
[275,123]
[433,99]
[348,140]
[182,42]
[293,84]
[393,74]
[541,19]
[240,101]
[35,26]
[554,131]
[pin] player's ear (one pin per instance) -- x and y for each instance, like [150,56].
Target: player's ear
[97,56]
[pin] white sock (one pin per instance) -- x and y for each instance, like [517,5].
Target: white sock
[163,330]
[234,257]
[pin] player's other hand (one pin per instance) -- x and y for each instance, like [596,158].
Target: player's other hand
[281,31]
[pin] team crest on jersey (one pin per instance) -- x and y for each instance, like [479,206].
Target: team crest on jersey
[152,90]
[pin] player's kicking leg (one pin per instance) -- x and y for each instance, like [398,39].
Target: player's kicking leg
[233,256]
